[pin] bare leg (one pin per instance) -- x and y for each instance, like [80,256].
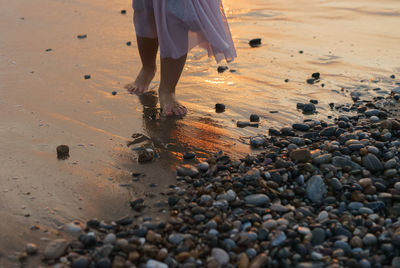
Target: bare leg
[148,52]
[171,70]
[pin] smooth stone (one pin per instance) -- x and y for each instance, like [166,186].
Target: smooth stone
[257,141]
[336,184]
[391,163]
[254,118]
[155,264]
[308,108]
[188,170]
[342,245]
[252,174]
[318,236]
[374,119]
[372,163]
[260,261]
[316,188]
[176,238]
[355,205]
[396,260]
[81,262]
[104,263]
[328,131]
[203,166]
[257,199]
[322,216]
[244,261]
[31,249]
[73,228]
[220,255]
[322,159]
[301,127]
[372,112]
[55,249]
[278,237]
[301,155]
[110,239]
[369,239]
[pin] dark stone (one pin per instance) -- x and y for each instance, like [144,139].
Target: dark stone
[254,118]
[62,152]
[255,42]
[87,76]
[316,75]
[128,43]
[328,131]
[114,93]
[82,36]
[81,262]
[123,11]
[222,69]
[219,107]
[301,127]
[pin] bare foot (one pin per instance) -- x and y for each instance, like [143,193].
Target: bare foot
[170,106]
[141,83]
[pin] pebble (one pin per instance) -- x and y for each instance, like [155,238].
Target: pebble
[220,255]
[316,188]
[155,264]
[81,262]
[187,170]
[256,42]
[257,200]
[31,249]
[372,163]
[301,155]
[369,239]
[176,238]
[55,249]
[110,239]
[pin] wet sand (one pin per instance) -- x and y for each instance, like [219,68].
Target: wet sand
[45,100]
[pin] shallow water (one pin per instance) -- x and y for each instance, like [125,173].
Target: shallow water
[353,44]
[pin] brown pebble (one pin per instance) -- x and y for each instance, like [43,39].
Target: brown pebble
[134,256]
[183,256]
[357,196]
[244,261]
[62,152]
[356,242]
[259,261]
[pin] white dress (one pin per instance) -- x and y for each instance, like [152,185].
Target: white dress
[181,25]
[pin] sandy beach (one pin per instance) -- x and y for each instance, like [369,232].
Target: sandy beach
[45,100]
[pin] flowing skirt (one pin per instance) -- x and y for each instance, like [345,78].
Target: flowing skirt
[181,25]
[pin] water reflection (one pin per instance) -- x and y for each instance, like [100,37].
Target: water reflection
[172,137]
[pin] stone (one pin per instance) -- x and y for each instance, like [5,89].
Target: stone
[220,256]
[188,170]
[155,264]
[55,249]
[146,155]
[257,200]
[110,239]
[254,118]
[104,263]
[176,238]
[257,141]
[31,249]
[220,107]
[316,188]
[278,237]
[369,239]
[203,166]
[317,236]
[301,127]
[62,152]
[80,262]
[328,131]
[243,261]
[300,155]
[372,163]
[255,42]
[322,159]
[259,261]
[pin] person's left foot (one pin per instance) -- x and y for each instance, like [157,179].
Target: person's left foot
[170,106]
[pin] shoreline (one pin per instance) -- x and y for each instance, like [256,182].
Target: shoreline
[316,195]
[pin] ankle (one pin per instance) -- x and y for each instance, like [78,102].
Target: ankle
[149,69]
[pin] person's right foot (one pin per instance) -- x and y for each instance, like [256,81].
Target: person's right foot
[142,82]
[170,106]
